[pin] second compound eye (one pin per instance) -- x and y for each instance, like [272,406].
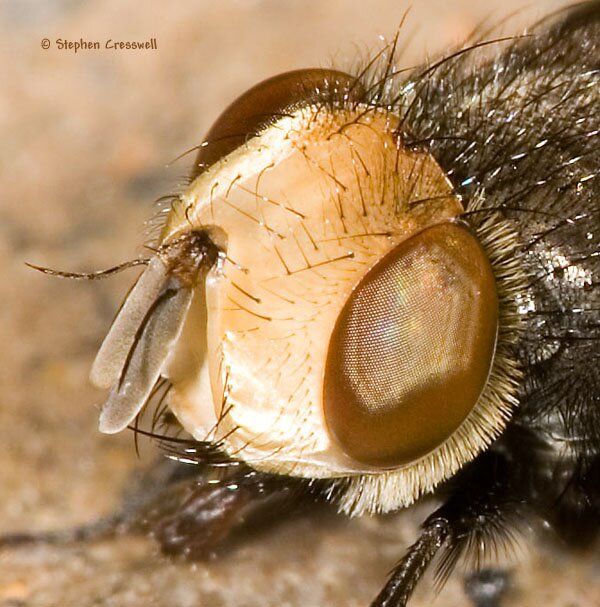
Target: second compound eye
[412,349]
[268,101]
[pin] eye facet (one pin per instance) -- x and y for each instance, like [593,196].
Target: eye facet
[268,101]
[412,349]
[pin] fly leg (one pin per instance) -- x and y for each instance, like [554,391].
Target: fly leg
[476,519]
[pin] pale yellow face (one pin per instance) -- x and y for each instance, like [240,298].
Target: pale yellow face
[305,210]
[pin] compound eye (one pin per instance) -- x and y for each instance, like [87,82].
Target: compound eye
[268,101]
[412,349]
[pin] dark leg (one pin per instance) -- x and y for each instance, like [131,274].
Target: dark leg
[98,529]
[409,570]
[475,519]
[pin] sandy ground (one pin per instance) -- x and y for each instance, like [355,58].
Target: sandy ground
[85,140]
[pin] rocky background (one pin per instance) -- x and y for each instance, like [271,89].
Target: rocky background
[85,139]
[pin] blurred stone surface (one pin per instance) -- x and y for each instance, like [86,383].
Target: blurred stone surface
[85,139]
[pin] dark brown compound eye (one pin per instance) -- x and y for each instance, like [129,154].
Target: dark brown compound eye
[266,102]
[412,348]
